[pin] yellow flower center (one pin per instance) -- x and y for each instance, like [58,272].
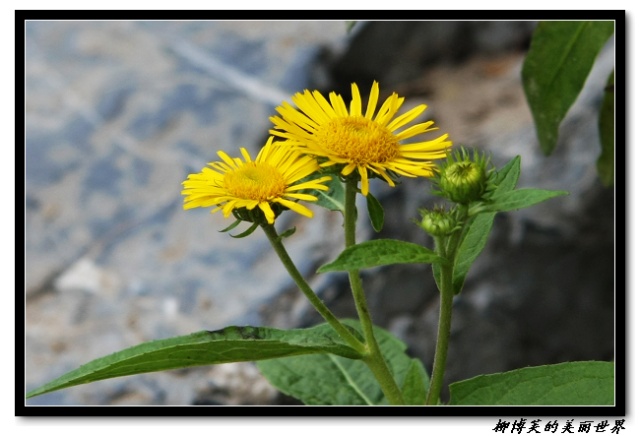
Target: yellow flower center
[255,181]
[359,140]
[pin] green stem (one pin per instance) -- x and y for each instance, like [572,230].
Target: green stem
[278,246]
[374,359]
[444,331]
[447,248]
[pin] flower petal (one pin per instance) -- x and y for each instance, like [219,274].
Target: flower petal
[268,212]
[406,117]
[364,179]
[338,104]
[296,207]
[356,102]
[373,101]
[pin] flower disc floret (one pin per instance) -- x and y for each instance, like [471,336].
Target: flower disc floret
[255,180]
[272,182]
[359,140]
[370,142]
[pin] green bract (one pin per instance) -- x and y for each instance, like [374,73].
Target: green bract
[438,222]
[463,178]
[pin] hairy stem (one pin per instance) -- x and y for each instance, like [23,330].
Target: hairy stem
[373,358]
[446,247]
[444,331]
[319,305]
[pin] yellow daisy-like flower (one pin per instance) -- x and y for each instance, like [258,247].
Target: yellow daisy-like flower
[272,179]
[360,141]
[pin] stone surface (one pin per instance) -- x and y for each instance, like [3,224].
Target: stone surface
[118,113]
[398,52]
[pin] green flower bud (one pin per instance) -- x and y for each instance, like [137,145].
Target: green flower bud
[463,179]
[437,222]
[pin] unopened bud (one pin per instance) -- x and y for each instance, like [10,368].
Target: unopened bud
[437,222]
[463,179]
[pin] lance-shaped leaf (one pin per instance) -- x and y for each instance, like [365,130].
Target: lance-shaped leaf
[380,252]
[507,177]
[605,162]
[232,344]
[559,60]
[519,199]
[570,383]
[473,240]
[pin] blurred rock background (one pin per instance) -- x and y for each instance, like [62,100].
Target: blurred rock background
[118,113]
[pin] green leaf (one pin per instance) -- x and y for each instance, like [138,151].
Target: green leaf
[559,60]
[232,344]
[519,199]
[333,199]
[472,242]
[414,388]
[333,380]
[605,125]
[376,212]
[571,383]
[507,177]
[475,235]
[380,252]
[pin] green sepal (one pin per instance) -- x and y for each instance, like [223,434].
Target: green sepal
[247,232]
[287,233]
[232,226]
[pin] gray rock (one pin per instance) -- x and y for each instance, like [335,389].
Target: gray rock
[396,52]
[118,114]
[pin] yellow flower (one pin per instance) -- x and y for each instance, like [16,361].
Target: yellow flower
[272,179]
[364,142]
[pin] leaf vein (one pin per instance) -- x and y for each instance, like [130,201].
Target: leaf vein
[350,381]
